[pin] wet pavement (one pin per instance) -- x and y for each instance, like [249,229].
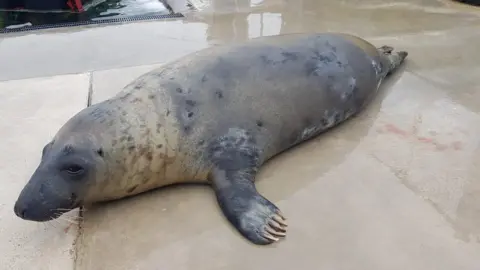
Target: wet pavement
[395,188]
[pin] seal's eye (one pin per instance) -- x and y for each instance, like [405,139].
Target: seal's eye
[74,169]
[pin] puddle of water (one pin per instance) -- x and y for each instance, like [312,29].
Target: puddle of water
[94,10]
[123,8]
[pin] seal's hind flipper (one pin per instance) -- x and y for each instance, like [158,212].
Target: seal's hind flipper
[392,60]
[395,59]
[235,159]
[385,49]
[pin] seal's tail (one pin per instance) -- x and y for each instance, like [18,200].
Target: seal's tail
[393,59]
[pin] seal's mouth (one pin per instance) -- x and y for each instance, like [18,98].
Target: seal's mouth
[36,213]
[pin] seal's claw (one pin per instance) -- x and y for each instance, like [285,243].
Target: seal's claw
[270,237]
[259,223]
[280,219]
[279,229]
[275,225]
[273,232]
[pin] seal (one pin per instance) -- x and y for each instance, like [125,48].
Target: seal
[214,116]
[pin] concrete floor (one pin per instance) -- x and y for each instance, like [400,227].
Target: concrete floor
[395,188]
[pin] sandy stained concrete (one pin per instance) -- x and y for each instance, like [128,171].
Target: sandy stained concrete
[395,188]
[30,113]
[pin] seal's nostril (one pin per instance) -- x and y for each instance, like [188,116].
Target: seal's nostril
[20,211]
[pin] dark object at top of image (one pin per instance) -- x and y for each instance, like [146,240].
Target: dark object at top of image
[470,2]
[27,15]
[44,5]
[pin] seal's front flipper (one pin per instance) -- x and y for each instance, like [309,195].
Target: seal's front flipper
[235,159]
[256,218]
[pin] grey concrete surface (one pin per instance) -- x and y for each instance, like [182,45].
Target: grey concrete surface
[78,50]
[395,188]
[30,113]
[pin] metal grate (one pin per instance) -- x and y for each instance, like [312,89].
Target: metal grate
[91,22]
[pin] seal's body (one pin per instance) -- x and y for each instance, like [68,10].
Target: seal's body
[214,116]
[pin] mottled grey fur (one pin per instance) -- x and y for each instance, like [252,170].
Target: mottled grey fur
[214,116]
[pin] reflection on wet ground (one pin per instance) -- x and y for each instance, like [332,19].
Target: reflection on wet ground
[94,10]
[122,8]
[450,64]
[395,188]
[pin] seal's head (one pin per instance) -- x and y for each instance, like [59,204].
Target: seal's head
[68,167]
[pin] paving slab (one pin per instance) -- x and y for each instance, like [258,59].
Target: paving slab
[384,192]
[238,20]
[395,188]
[31,111]
[83,49]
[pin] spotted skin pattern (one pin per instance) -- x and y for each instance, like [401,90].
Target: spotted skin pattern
[214,117]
